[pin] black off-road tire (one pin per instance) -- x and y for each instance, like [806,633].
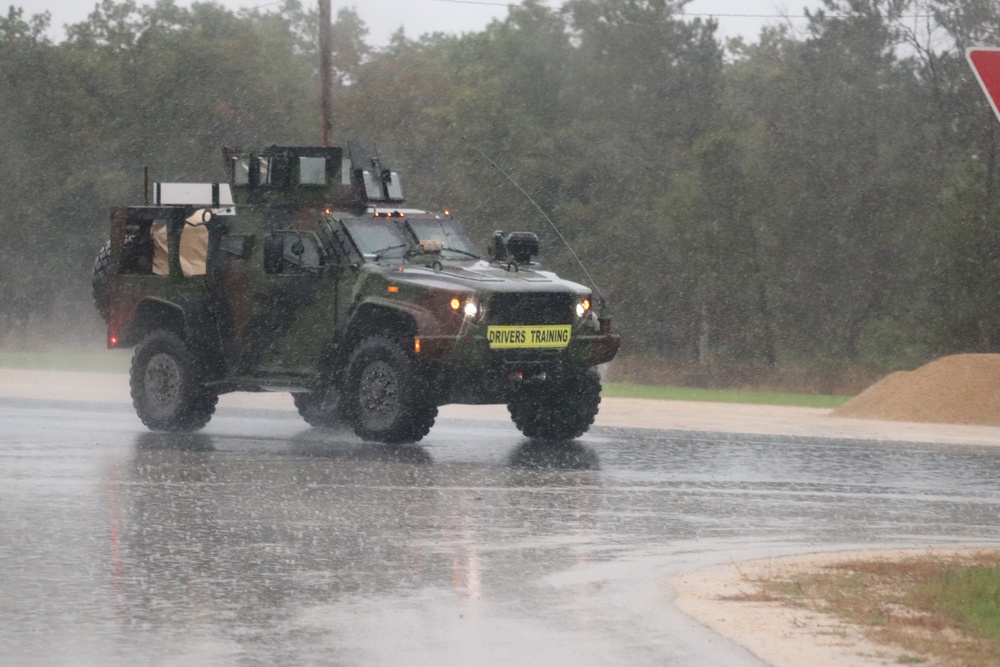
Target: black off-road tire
[561,408]
[386,399]
[167,385]
[99,281]
[321,408]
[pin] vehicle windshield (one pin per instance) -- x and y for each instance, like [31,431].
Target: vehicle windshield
[379,237]
[454,242]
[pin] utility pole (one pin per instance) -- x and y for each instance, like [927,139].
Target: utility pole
[325,72]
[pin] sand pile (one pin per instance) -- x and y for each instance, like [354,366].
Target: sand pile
[960,389]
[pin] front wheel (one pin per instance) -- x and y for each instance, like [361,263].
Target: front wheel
[560,408]
[386,397]
[166,384]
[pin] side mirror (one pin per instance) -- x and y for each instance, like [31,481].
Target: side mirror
[290,252]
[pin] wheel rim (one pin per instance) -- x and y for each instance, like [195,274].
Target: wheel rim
[162,382]
[378,394]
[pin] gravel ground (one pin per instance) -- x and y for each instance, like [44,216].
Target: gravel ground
[959,389]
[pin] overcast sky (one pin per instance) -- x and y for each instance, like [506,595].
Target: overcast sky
[384,17]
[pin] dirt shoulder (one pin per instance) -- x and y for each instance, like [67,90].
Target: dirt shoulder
[621,412]
[728,600]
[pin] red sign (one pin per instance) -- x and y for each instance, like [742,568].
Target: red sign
[986,64]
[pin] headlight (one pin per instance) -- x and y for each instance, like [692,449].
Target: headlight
[582,307]
[469,307]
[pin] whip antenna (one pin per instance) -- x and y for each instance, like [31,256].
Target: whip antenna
[593,284]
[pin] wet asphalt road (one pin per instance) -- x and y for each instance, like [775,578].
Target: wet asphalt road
[262,542]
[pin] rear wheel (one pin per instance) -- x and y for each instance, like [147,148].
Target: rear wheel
[167,385]
[387,399]
[560,408]
[320,408]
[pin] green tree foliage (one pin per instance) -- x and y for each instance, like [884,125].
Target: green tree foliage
[961,275]
[718,283]
[133,86]
[828,195]
[839,172]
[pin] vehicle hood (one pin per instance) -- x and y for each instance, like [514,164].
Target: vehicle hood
[481,275]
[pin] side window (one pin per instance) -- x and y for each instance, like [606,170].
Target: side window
[241,170]
[137,250]
[193,250]
[312,171]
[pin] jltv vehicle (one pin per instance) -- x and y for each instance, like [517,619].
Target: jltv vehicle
[306,274]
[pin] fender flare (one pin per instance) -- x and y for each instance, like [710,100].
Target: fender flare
[376,315]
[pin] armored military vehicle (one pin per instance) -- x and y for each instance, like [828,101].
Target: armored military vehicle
[305,273]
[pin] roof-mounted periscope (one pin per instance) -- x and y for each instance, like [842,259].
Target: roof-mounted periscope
[311,176]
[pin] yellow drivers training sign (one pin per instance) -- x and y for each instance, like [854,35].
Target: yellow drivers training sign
[541,335]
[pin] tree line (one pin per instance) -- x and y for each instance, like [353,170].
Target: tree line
[829,196]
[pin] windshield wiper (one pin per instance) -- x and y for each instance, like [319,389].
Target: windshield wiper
[378,253]
[463,252]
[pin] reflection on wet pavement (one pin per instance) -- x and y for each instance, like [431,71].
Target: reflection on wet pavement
[260,541]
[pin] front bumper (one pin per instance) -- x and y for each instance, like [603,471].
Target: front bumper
[474,351]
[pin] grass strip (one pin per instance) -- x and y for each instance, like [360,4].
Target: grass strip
[627,390]
[934,607]
[969,597]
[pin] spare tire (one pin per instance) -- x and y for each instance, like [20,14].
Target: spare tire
[99,281]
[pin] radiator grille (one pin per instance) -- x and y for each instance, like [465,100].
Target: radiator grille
[530,308]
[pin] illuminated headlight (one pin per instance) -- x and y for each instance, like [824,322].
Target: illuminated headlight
[582,307]
[467,307]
